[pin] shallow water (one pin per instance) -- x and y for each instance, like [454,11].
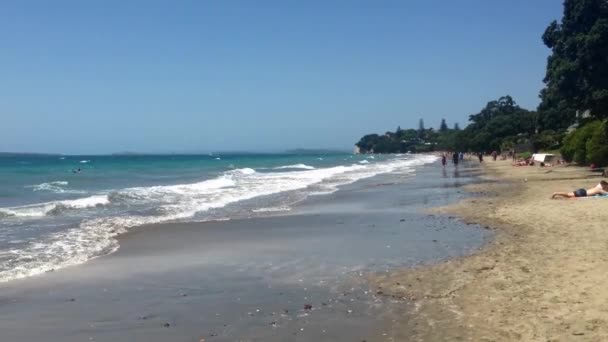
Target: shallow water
[251,279]
[58,211]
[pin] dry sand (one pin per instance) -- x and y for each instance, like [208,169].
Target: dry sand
[544,278]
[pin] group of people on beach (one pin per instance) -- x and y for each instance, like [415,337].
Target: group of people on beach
[601,189]
[456,158]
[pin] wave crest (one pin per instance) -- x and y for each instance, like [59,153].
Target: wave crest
[54,208]
[295,166]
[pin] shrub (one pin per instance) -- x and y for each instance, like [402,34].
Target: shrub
[597,146]
[587,144]
[524,155]
[567,150]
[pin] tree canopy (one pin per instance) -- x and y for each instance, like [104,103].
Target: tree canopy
[577,69]
[443,127]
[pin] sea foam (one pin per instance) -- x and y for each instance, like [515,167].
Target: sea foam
[295,166]
[96,236]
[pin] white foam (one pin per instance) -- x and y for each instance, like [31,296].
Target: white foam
[49,208]
[85,161]
[272,209]
[71,247]
[94,237]
[56,187]
[244,171]
[364,161]
[295,166]
[87,202]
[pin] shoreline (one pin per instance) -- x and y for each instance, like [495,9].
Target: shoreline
[540,279]
[253,279]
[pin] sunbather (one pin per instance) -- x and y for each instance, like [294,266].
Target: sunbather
[600,189]
[526,162]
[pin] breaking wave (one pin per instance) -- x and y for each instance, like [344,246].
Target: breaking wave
[56,187]
[295,166]
[95,234]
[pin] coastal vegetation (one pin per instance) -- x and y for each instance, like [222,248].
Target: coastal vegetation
[571,117]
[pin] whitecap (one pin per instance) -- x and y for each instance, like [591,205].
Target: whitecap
[295,166]
[54,208]
[244,171]
[94,237]
[56,186]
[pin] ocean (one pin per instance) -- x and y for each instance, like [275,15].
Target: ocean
[57,211]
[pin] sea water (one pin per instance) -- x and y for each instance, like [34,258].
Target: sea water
[57,211]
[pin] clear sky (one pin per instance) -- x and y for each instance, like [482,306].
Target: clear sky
[162,76]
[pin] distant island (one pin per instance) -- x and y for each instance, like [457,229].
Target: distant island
[28,154]
[314,151]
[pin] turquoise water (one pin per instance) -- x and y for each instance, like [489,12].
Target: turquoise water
[57,211]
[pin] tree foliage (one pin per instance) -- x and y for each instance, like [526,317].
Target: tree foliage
[499,121]
[596,147]
[443,127]
[577,70]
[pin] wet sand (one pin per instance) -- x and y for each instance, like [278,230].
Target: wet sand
[542,279]
[297,276]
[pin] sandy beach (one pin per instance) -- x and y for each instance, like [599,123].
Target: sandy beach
[391,258]
[542,279]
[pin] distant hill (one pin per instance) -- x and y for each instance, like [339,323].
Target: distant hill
[27,154]
[315,151]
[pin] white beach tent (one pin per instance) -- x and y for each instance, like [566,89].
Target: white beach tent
[543,157]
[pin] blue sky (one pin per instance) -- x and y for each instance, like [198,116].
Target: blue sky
[183,76]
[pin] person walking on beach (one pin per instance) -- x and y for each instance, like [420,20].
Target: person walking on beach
[443,159]
[455,158]
[480,156]
[600,189]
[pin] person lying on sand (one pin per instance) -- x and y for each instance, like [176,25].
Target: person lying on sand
[600,189]
[527,162]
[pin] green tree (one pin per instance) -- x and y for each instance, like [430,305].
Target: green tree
[443,127]
[421,130]
[456,126]
[499,120]
[597,146]
[577,70]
